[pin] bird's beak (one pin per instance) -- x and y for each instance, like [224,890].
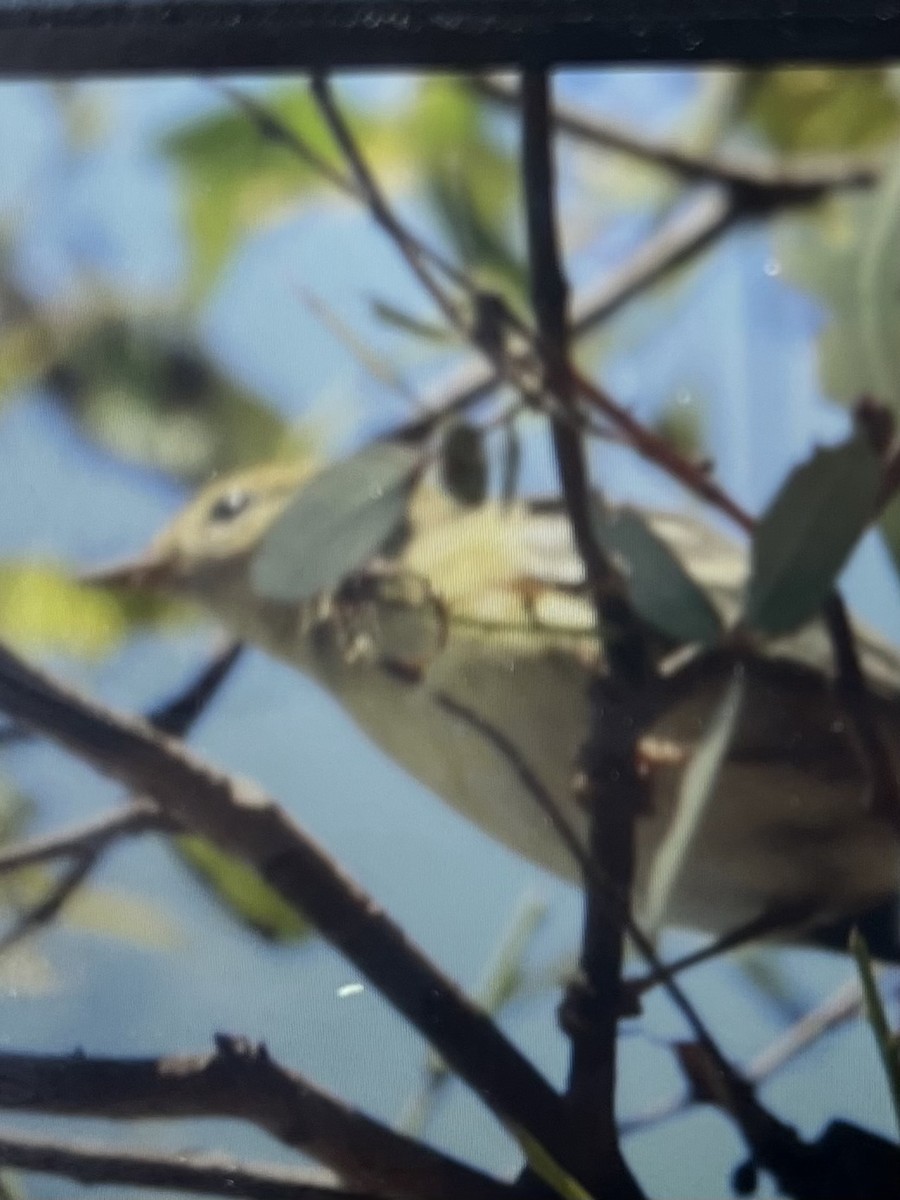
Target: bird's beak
[148,571]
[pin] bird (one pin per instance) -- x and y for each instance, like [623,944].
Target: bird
[465,645]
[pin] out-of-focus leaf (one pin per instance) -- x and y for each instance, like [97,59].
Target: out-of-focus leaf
[829,109]
[879,289]
[242,891]
[469,178]
[681,424]
[134,919]
[26,352]
[15,811]
[503,982]
[807,534]
[888,1043]
[391,315]
[848,256]
[337,522]
[464,465]
[547,1168]
[25,973]
[659,586]
[150,395]
[236,179]
[695,791]
[42,608]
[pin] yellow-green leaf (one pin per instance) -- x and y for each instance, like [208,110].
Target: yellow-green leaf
[825,109]
[241,890]
[547,1168]
[135,919]
[42,608]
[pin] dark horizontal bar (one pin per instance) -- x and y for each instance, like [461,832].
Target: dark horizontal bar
[55,37]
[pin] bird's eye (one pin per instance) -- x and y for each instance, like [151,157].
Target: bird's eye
[229,505]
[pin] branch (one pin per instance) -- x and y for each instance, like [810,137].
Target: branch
[87,839]
[592,1029]
[241,819]
[206,1175]
[240,1081]
[685,235]
[781,184]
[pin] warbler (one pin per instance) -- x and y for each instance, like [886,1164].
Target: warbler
[466,649]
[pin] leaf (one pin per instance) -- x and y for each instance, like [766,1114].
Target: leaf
[146,391]
[242,891]
[547,1168]
[660,588]
[235,179]
[470,179]
[134,919]
[807,534]
[390,314]
[695,791]
[336,523]
[879,289]
[42,608]
[26,973]
[464,465]
[502,983]
[825,109]
[885,1040]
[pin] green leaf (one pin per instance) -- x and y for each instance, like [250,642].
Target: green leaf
[470,179]
[390,314]
[681,424]
[807,534]
[464,465]
[825,109]
[150,394]
[134,919]
[242,891]
[336,523]
[26,352]
[695,792]
[235,179]
[503,982]
[41,608]
[884,1039]
[547,1168]
[660,588]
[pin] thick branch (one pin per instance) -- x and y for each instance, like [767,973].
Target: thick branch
[240,1081]
[242,820]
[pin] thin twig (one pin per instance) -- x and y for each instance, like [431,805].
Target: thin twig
[205,1175]
[36,916]
[856,701]
[141,817]
[686,234]
[843,1006]
[240,1081]
[370,192]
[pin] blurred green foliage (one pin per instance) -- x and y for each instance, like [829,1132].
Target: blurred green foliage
[822,110]
[42,608]
[241,891]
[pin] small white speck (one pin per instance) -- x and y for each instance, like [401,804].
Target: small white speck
[772,267]
[350,989]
